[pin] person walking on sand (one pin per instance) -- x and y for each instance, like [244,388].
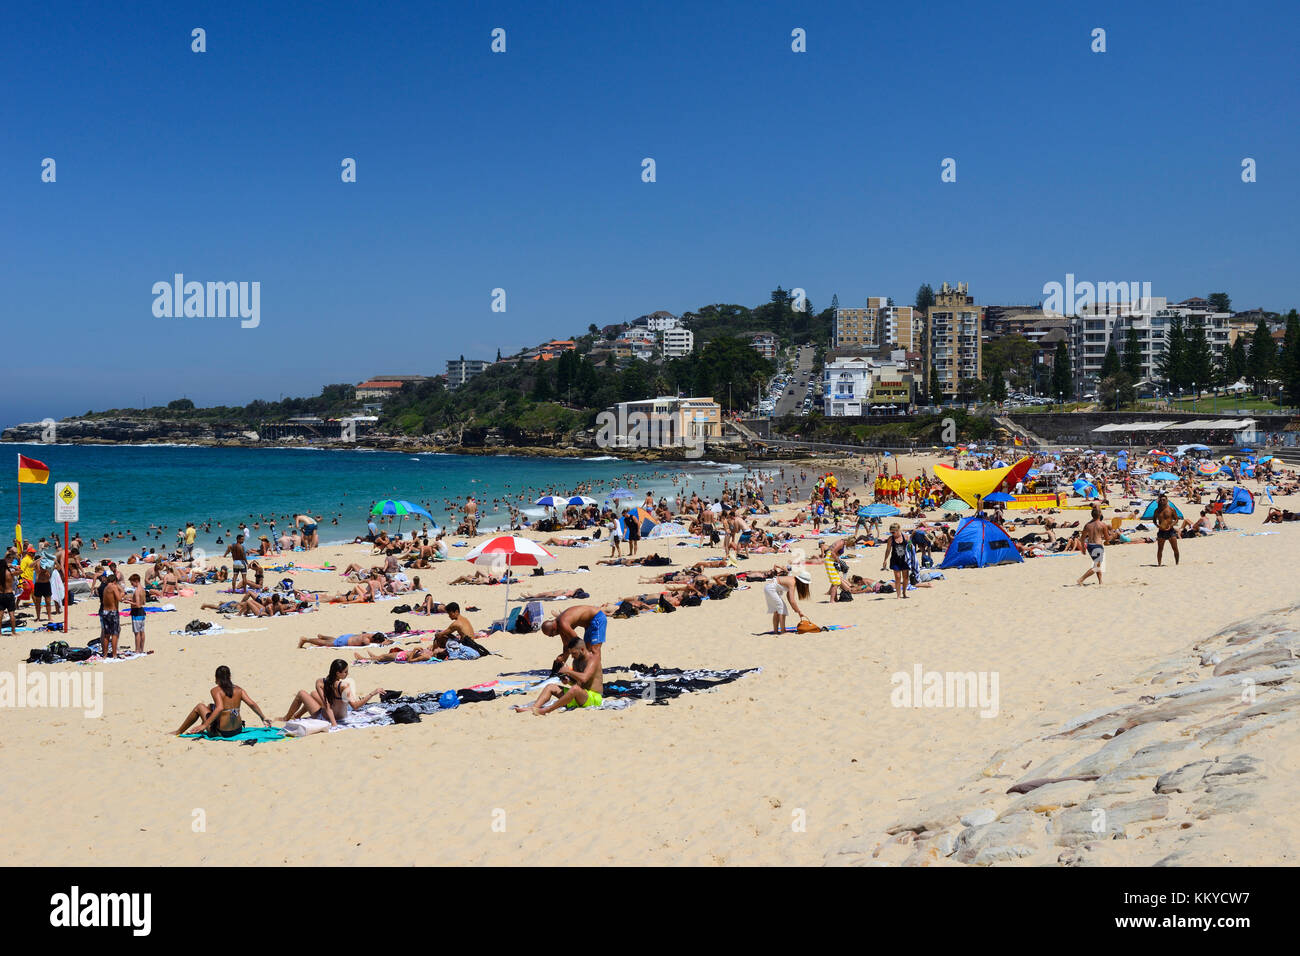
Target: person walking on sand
[1096,535]
[900,557]
[1166,518]
[8,602]
[238,564]
[782,593]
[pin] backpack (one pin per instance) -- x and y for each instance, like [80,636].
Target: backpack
[402,609]
[844,595]
[806,626]
[40,655]
[79,654]
[691,600]
[718,592]
[400,627]
[59,649]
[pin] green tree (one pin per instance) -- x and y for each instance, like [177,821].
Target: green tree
[1199,357]
[1110,364]
[924,299]
[1289,362]
[936,387]
[1219,302]
[1062,380]
[1173,363]
[181,405]
[1238,367]
[997,385]
[1117,391]
[1262,356]
[1132,354]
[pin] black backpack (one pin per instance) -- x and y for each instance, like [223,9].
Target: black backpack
[718,592]
[58,649]
[79,654]
[40,655]
[400,627]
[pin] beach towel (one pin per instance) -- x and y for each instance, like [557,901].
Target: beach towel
[255,735]
[825,627]
[305,726]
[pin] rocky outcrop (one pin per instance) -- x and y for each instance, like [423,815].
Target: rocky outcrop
[1147,781]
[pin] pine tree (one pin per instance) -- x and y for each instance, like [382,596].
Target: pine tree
[1173,364]
[924,299]
[1289,364]
[1062,383]
[1110,364]
[936,387]
[1262,356]
[1199,357]
[1132,354]
[1238,367]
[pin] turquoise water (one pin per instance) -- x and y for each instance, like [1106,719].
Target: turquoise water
[127,488]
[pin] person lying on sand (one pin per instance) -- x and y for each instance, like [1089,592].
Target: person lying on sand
[345,640]
[221,718]
[480,577]
[561,595]
[402,655]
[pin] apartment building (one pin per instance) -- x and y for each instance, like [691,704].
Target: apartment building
[1102,325]
[677,342]
[665,422]
[764,343]
[858,384]
[879,325]
[461,370]
[953,345]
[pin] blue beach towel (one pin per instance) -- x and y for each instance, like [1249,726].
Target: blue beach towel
[255,734]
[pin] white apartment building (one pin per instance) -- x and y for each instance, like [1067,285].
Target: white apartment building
[1103,325]
[677,342]
[846,386]
[662,321]
[460,371]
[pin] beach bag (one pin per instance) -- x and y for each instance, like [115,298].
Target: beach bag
[400,627]
[76,654]
[402,609]
[806,626]
[59,649]
[304,726]
[844,595]
[406,714]
[719,592]
[40,655]
[625,610]
[691,600]
[449,700]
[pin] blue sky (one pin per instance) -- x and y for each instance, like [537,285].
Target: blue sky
[523,171]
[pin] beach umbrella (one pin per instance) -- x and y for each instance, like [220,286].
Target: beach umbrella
[1208,468]
[953,504]
[509,551]
[669,529]
[618,493]
[999,464]
[999,497]
[1164,476]
[1265,458]
[403,509]
[549,501]
[581,501]
[878,510]
[1247,451]
[1031,473]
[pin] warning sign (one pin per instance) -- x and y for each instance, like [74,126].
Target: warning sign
[67,501]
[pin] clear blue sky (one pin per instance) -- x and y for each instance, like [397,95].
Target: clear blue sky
[523,171]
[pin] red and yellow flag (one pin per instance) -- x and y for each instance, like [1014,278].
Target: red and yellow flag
[32,472]
[1019,442]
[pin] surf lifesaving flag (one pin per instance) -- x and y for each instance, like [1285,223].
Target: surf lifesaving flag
[32,472]
[1019,442]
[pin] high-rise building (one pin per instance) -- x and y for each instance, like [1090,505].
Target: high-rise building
[677,342]
[879,325]
[953,349]
[461,370]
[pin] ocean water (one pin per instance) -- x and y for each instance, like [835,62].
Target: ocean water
[128,488]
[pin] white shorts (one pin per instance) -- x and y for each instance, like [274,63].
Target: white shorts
[775,595]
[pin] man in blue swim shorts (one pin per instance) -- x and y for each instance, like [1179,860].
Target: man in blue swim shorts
[588,673]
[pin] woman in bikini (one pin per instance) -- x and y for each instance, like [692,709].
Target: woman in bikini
[221,718]
[330,700]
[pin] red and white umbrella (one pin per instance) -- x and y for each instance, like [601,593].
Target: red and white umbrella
[511,552]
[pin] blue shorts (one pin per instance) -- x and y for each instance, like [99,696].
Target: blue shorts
[594,633]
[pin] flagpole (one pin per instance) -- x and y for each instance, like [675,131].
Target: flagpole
[20,504]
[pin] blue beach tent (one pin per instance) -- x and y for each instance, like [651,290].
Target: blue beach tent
[1149,512]
[979,543]
[1243,503]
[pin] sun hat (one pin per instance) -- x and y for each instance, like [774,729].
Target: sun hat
[803,577]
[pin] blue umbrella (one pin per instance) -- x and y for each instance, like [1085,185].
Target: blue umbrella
[549,501]
[581,501]
[391,506]
[999,497]
[618,493]
[1031,473]
[878,510]
[1164,476]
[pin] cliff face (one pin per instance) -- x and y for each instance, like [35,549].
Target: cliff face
[119,430]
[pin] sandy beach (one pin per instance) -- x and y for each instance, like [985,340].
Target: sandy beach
[802,763]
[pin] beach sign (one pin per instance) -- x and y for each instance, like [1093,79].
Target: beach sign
[67,501]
